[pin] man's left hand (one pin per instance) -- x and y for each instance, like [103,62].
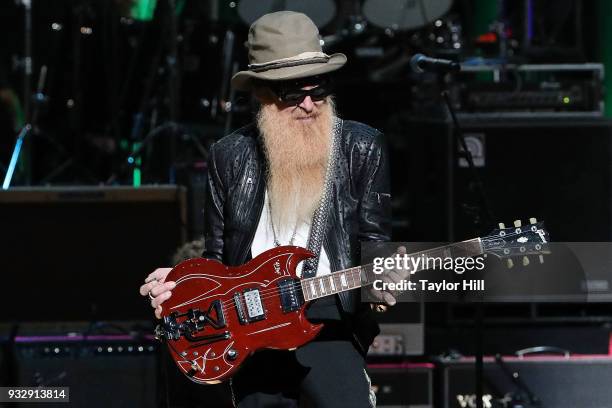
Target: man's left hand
[394,275]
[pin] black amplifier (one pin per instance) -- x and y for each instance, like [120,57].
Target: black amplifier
[405,385]
[80,234]
[574,96]
[101,370]
[529,90]
[555,381]
[106,364]
[401,332]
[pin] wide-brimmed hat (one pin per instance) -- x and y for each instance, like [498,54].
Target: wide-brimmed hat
[285,45]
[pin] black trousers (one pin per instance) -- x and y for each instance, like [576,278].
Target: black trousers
[328,372]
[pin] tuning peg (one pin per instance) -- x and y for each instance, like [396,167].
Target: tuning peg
[541,258]
[532,220]
[502,225]
[517,223]
[525,261]
[509,263]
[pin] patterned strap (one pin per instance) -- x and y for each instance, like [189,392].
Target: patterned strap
[319,219]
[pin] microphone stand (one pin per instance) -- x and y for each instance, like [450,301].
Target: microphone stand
[27,78]
[173,81]
[532,399]
[30,126]
[15,156]
[27,58]
[481,217]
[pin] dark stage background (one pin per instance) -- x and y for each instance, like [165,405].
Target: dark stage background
[116,103]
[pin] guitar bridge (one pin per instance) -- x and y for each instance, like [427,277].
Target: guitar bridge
[240,308]
[195,321]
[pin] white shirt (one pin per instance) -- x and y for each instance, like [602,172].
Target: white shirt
[264,239]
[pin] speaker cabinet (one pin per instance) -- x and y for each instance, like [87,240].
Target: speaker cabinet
[101,370]
[556,381]
[557,171]
[404,385]
[80,253]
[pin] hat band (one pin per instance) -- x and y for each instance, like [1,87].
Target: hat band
[301,59]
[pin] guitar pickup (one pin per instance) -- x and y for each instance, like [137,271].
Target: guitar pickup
[249,306]
[254,307]
[291,297]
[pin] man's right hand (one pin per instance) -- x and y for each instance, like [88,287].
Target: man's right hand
[158,289]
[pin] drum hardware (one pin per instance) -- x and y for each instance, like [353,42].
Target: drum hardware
[321,12]
[402,15]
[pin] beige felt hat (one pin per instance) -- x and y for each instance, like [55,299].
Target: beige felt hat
[285,45]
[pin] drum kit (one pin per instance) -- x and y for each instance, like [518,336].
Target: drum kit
[376,32]
[172,60]
[379,36]
[386,14]
[425,24]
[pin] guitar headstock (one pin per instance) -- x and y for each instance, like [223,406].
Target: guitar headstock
[519,240]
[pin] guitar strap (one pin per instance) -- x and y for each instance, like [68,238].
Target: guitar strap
[321,214]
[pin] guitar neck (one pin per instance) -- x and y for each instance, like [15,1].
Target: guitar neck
[359,276]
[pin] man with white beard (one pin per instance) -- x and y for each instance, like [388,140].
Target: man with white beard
[265,183]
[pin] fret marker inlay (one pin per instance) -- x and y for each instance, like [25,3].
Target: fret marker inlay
[313,288]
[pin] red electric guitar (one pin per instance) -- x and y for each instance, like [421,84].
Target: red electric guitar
[219,315]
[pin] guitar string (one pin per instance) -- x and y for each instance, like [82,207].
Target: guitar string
[273,292]
[229,305]
[354,269]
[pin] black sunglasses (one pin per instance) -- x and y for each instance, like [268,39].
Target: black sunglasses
[292,92]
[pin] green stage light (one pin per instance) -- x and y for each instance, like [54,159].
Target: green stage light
[143,10]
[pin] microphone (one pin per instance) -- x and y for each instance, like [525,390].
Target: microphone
[421,63]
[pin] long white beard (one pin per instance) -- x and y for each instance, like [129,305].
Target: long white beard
[297,156]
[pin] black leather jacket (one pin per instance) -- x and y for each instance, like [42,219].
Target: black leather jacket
[360,205]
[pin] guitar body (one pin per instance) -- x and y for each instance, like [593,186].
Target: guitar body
[217,315]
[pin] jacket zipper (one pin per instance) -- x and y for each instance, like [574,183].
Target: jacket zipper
[250,242]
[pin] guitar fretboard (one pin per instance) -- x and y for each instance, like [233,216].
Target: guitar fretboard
[358,276]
